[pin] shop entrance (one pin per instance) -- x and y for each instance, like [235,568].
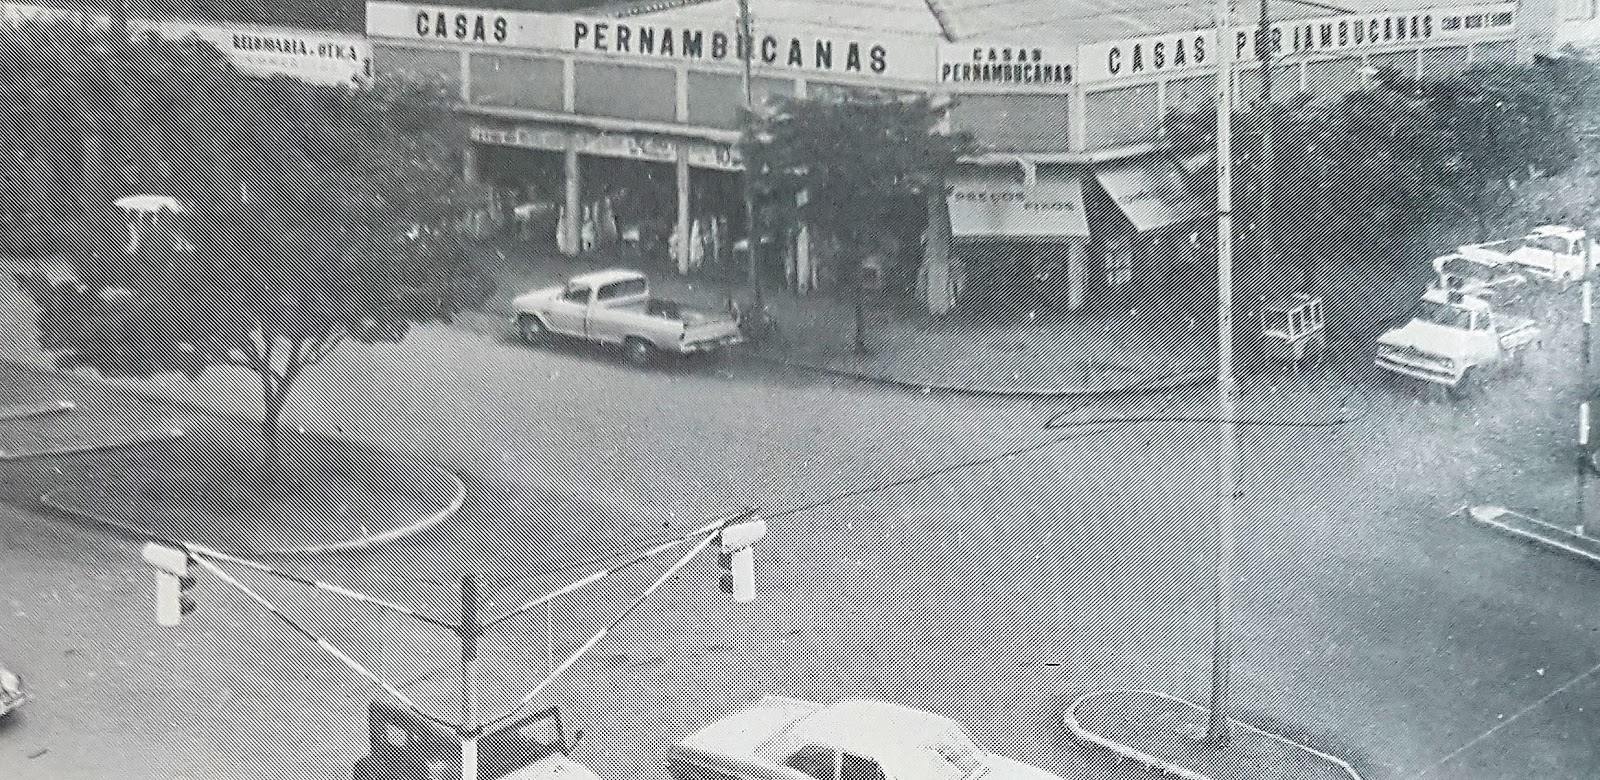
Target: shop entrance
[525,192]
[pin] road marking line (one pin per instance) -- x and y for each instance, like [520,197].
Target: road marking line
[1508,721]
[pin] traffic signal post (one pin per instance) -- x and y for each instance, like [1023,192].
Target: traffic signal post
[174,561]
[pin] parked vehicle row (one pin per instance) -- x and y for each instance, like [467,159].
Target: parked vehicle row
[777,738]
[1460,332]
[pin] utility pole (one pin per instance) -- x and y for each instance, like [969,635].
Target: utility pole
[747,50]
[1583,382]
[1221,650]
[469,630]
[1267,216]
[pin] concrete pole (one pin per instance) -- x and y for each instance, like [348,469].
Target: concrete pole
[1583,384]
[1217,730]
[469,630]
[682,232]
[749,176]
[1268,216]
[573,203]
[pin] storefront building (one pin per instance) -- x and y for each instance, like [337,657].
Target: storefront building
[626,121]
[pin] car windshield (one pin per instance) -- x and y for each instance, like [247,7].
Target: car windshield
[1444,314]
[959,750]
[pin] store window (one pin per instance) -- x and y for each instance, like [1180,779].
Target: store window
[1403,63]
[1014,123]
[1121,117]
[1191,95]
[1494,51]
[715,99]
[1443,63]
[419,66]
[1285,84]
[517,82]
[626,92]
[1333,79]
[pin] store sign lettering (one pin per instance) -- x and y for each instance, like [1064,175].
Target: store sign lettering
[1002,197]
[718,46]
[1158,55]
[477,28]
[1005,66]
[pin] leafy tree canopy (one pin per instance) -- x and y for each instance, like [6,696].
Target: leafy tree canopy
[311,215]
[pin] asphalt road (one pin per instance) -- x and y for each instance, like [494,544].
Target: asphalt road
[1367,622]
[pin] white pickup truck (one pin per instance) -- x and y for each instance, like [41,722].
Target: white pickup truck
[1482,276]
[614,307]
[1453,340]
[1552,252]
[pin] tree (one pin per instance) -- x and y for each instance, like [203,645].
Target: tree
[850,164]
[312,215]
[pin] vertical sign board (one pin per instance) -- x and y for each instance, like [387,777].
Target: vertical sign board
[810,50]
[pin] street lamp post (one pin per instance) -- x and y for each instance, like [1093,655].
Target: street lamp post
[747,50]
[1583,384]
[1221,650]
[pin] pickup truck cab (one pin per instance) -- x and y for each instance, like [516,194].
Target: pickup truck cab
[1454,339]
[1481,275]
[788,739]
[1552,252]
[407,747]
[614,307]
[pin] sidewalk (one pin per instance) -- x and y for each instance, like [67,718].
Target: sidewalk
[1078,354]
[1166,734]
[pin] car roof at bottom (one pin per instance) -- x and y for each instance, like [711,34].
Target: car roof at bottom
[606,276]
[879,729]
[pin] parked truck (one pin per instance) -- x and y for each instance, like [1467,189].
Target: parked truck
[1454,340]
[405,746]
[614,306]
[1550,252]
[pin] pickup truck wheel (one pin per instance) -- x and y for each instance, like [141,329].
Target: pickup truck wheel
[638,351]
[1464,388]
[532,329]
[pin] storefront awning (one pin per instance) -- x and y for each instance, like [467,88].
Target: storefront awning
[1003,202]
[1151,191]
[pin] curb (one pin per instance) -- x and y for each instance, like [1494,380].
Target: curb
[1070,719]
[1547,534]
[393,534]
[26,411]
[1164,382]
[144,437]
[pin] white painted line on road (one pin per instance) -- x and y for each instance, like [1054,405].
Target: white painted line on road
[1508,721]
[1071,720]
[24,411]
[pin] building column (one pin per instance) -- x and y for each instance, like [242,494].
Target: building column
[938,292]
[802,259]
[469,163]
[681,247]
[572,237]
[1077,262]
